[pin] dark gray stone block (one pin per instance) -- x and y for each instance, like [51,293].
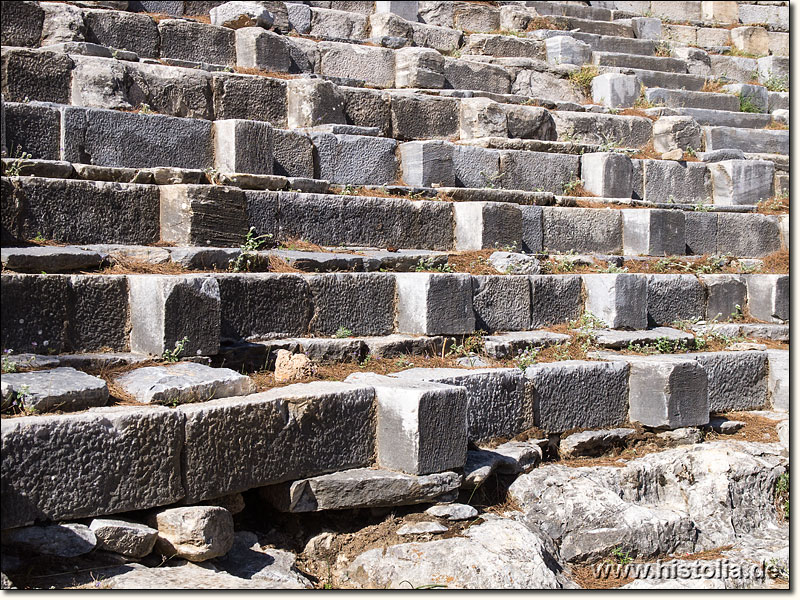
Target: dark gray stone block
[190,40]
[672,298]
[354,159]
[555,299]
[30,75]
[124,31]
[21,24]
[360,302]
[249,97]
[417,117]
[742,234]
[33,129]
[501,303]
[203,215]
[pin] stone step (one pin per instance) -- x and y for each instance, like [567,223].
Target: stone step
[747,140]
[687,99]
[639,62]
[610,43]
[661,79]
[706,117]
[592,13]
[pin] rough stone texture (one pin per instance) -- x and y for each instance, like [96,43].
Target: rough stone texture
[501,303]
[619,300]
[421,527]
[338,24]
[739,182]
[123,30]
[66,541]
[653,232]
[498,402]
[421,426]
[364,303]
[672,181]
[472,75]
[723,294]
[293,154]
[195,533]
[292,367]
[612,338]
[507,345]
[73,466]
[514,263]
[768,297]
[418,68]
[672,298]
[166,309]
[593,443]
[373,65]
[427,163]
[592,128]
[537,171]
[753,40]
[22,24]
[747,234]
[564,49]
[674,132]
[607,174]
[360,488]
[333,422]
[236,15]
[261,49]
[475,167]
[668,394]
[124,537]
[480,225]
[354,159]
[597,392]
[432,304]
[242,146]
[35,75]
[736,380]
[498,553]
[249,97]
[779,378]
[748,140]
[311,102]
[509,458]
[49,259]
[582,230]
[32,128]
[615,90]
[63,388]
[184,382]
[194,41]
[203,215]
[418,116]
[453,512]
[555,299]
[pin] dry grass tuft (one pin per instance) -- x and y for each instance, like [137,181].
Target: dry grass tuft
[777,262]
[132,266]
[714,86]
[475,262]
[263,73]
[278,265]
[301,245]
[647,151]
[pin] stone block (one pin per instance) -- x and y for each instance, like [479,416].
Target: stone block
[673,298]
[615,90]
[768,297]
[193,41]
[418,68]
[537,171]
[293,153]
[50,259]
[582,230]
[261,49]
[419,116]
[748,235]
[721,12]
[698,62]
[737,68]
[724,293]
[62,388]
[742,182]
[571,394]
[124,537]
[183,382]
[708,37]
[195,533]
[653,232]
[364,303]
[250,97]
[354,159]
[333,422]
[203,215]
[480,225]
[498,404]
[779,43]
[684,98]
[166,309]
[432,303]
[531,228]
[555,299]
[110,452]
[668,394]
[367,108]
[756,95]
[22,24]
[405,10]
[595,128]
[701,233]
[35,75]
[529,122]
[482,117]
[174,91]
[753,40]
[501,303]
[736,380]
[779,378]
[442,39]
[504,46]
[564,49]
[646,28]
[670,133]
[35,206]
[338,24]
[360,488]
[119,139]
[33,129]
[368,63]
[619,300]
[545,85]
[607,174]
[123,30]
[427,163]
[421,426]
[299,16]
[242,298]
[462,74]
[242,146]
[235,15]
[673,181]
[475,167]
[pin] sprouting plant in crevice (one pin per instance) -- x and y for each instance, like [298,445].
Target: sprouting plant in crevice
[526,358]
[343,332]
[20,160]
[472,344]
[174,355]
[748,105]
[247,258]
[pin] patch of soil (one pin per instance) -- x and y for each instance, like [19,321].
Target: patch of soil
[475,262]
[756,429]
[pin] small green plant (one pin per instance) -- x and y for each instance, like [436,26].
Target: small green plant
[581,79]
[748,105]
[9,366]
[774,83]
[403,363]
[247,257]
[349,190]
[737,314]
[526,358]
[691,152]
[174,355]
[20,160]
[144,109]
[367,360]
[611,268]
[561,351]
[472,344]
[39,238]
[782,493]
[213,176]
[430,265]
[587,321]
[623,557]
[663,49]
[343,332]
[703,206]
[571,186]
[491,179]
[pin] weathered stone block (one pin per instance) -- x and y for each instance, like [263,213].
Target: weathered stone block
[672,181]
[62,388]
[670,133]
[196,533]
[504,46]
[537,171]
[110,452]
[582,230]
[22,24]
[32,128]
[529,122]
[619,300]
[595,128]
[312,102]
[338,24]
[607,174]
[434,303]
[724,293]
[371,64]
[235,15]
[668,394]
[753,40]
[421,426]
[261,49]
[779,378]
[564,49]
[736,380]
[756,95]
[364,303]
[570,394]
[653,232]
[737,182]
[35,75]
[243,146]
[480,225]
[673,298]
[475,167]
[531,228]
[124,537]
[427,163]
[748,140]
[250,97]
[168,309]
[203,215]
[701,233]
[194,41]
[615,90]
[418,116]
[124,31]
[743,234]
[367,108]
[646,28]
[501,303]
[418,68]
[482,117]
[768,297]
[293,153]
[333,422]
[354,159]
[555,299]
[472,75]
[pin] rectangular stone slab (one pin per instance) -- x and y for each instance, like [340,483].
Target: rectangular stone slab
[100,462]
[302,430]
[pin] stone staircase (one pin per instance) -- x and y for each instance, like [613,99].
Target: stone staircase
[528,218]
